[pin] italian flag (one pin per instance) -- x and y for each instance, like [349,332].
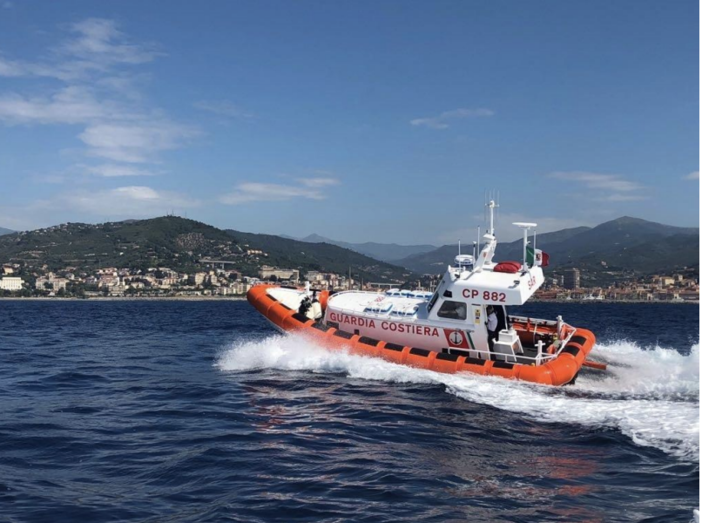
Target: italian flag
[536,257]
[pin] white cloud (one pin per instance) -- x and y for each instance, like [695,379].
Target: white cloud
[63,70]
[223,108]
[95,47]
[605,187]
[128,202]
[610,182]
[110,170]
[98,93]
[70,105]
[695,175]
[10,68]
[441,121]
[100,44]
[309,188]
[134,142]
[95,82]
[318,182]
[619,197]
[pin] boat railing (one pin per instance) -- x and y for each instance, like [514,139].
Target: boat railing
[565,340]
[540,358]
[532,321]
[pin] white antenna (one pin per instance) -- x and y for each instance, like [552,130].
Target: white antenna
[525,226]
[485,200]
[488,213]
[491,207]
[534,247]
[459,247]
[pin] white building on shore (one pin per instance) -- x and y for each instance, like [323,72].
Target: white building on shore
[11,283]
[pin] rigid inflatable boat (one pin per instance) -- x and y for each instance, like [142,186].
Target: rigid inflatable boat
[463,326]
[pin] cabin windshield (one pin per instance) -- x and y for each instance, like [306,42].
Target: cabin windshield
[435,297]
[453,310]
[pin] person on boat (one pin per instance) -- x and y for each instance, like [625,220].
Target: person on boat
[305,305]
[491,326]
[315,311]
[311,307]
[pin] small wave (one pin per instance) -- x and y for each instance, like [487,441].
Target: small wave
[656,373]
[649,395]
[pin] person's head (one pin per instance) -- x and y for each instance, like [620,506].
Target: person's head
[490,309]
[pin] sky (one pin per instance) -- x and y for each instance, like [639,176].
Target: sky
[357,120]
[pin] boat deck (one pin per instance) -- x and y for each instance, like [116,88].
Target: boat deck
[527,358]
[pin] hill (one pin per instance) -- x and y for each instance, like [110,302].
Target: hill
[179,244]
[623,245]
[162,241]
[388,252]
[4,231]
[285,252]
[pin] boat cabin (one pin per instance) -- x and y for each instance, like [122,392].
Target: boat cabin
[456,316]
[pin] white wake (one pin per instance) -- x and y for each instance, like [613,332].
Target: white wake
[652,396]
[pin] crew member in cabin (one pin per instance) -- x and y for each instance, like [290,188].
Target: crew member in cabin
[491,326]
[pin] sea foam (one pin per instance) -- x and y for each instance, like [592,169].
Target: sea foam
[651,396]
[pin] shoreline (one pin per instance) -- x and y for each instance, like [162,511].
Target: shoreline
[125,298]
[587,302]
[243,298]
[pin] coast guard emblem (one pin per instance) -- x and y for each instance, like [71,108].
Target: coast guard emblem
[456,338]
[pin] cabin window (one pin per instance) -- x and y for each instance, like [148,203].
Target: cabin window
[435,297]
[453,310]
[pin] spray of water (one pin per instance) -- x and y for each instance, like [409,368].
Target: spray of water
[652,396]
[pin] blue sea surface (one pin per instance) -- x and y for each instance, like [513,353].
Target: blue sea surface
[184,411]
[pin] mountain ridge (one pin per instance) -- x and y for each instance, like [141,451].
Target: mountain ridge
[387,252]
[621,244]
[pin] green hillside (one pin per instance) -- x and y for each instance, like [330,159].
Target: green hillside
[167,241]
[284,252]
[179,244]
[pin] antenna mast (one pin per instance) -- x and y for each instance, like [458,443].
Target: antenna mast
[491,206]
[525,227]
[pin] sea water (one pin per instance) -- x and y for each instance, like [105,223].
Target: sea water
[199,411]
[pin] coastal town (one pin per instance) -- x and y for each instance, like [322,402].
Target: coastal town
[216,280]
[675,288]
[152,282]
